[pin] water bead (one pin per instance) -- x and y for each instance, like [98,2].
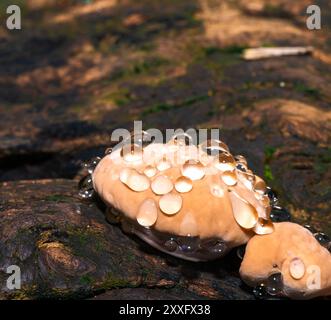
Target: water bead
[193,170]
[91,165]
[297,268]
[225,162]
[161,185]
[241,167]
[241,251]
[132,153]
[141,138]
[150,171]
[322,238]
[244,213]
[259,185]
[260,292]
[264,226]
[217,190]
[310,228]
[86,193]
[147,213]
[163,165]
[183,184]
[170,203]
[229,178]
[134,180]
[181,139]
[275,284]
[171,245]
[272,196]
[279,214]
[241,159]
[214,147]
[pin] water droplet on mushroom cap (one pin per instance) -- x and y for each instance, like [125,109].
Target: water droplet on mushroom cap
[241,159]
[147,213]
[171,245]
[181,139]
[279,214]
[214,147]
[170,203]
[161,185]
[150,171]
[322,238]
[259,185]
[134,180]
[163,165]
[225,162]
[132,152]
[297,268]
[244,213]
[275,284]
[264,226]
[91,164]
[183,184]
[229,178]
[193,170]
[260,292]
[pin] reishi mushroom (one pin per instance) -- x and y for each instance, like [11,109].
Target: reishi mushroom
[197,204]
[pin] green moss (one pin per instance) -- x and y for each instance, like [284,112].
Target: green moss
[143,67]
[120,97]
[112,282]
[269,152]
[86,280]
[323,162]
[308,91]
[169,106]
[268,173]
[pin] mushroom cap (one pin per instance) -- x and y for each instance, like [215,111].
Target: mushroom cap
[205,211]
[291,249]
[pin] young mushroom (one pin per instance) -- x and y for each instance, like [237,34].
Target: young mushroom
[198,202]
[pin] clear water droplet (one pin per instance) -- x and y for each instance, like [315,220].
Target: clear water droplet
[86,193]
[241,251]
[272,196]
[162,185]
[171,245]
[225,162]
[90,165]
[150,171]
[241,159]
[264,226]
[229,178]
[244,213]
[260,292]
[241,167]
[259,185]
[132,152]
[140,138]
[108,151]
[214,147]
[275,284]
[322,238]
[193,170]
[183,184]
[279,214]
[181,139]
[134,180]
[310,228]
[147,213]
[170,203]
[163,165]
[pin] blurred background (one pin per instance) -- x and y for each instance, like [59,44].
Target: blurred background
[79,69]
